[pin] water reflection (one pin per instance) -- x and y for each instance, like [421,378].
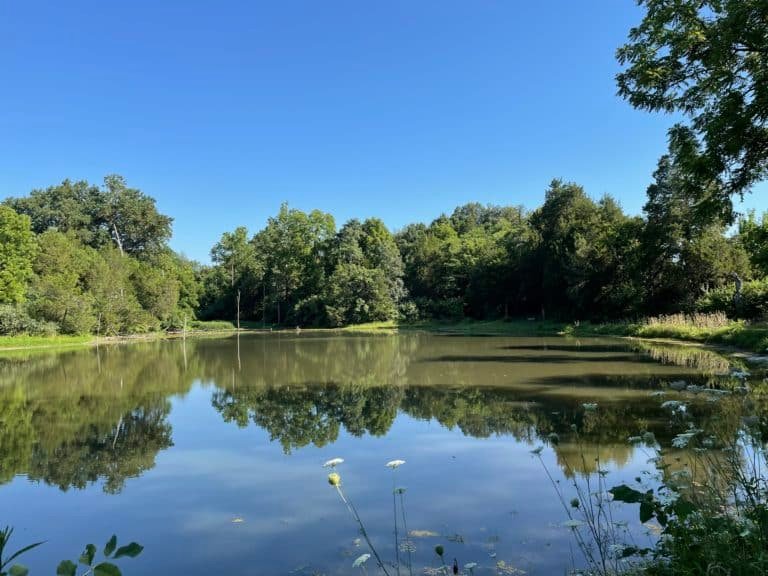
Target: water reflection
[74,418]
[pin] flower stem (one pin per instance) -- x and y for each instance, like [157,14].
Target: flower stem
[363,531]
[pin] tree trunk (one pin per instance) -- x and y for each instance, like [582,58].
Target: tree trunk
[118,239]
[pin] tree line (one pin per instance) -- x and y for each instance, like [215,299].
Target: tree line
[78,258]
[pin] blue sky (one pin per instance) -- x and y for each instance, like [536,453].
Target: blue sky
[399,109]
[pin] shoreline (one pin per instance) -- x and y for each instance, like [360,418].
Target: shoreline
[521,328]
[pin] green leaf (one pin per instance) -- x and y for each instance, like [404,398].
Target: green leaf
[20,552]
[132,550]
[626,494]
[683,508]
[18,570]
[66,568]
[111,545]
[88,554]
[646,511]
[106,569]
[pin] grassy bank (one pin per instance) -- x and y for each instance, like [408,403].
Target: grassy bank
[714,329]
[467,327]
[24,341]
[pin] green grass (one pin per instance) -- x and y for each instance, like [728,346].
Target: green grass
[388,327]
[706,329]
[211,325]
[33,341]
[468,327]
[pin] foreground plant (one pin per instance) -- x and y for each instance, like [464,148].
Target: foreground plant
[67,567]
[334,479]
[6,569]
[110,552]
[601,540]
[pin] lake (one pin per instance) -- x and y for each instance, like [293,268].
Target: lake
[210,453]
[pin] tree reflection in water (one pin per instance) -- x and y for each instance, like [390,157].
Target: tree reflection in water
[74,418]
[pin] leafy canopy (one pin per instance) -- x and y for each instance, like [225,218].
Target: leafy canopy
[706,59]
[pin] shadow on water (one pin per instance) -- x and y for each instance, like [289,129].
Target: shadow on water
[534,359]
[574,347]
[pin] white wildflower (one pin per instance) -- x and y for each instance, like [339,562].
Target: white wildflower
[395,464]
[360,560]
[333,462]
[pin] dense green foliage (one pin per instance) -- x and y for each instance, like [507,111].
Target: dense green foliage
[572,258]
[707,59]
[17,248]
[79,260]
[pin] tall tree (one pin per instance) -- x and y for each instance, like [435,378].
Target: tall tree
[58,292]
[132,219]
[17,249]
[683,253]
[707,59]
[114,214]
[753,235]
[293,245]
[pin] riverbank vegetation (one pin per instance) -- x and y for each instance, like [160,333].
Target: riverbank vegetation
[713,328]
[71,266]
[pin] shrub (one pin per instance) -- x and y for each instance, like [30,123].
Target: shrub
[754,300]
[15,320]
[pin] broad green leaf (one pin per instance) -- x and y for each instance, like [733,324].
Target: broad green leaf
[131,550]
[66,568]
[106,569]
[111,545]
[88,554]
[18,570]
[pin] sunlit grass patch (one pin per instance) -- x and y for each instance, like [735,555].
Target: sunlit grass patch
[23,341]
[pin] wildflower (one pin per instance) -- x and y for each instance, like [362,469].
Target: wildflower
[682,440]
[360,560]
[439,550]
[575,503]
[573,523]
[334,479]
[333,462]
[395,464]
[537,451]
[590,406]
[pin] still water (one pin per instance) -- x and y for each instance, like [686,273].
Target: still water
[210,452]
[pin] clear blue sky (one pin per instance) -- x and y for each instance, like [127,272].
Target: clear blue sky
[400,109]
